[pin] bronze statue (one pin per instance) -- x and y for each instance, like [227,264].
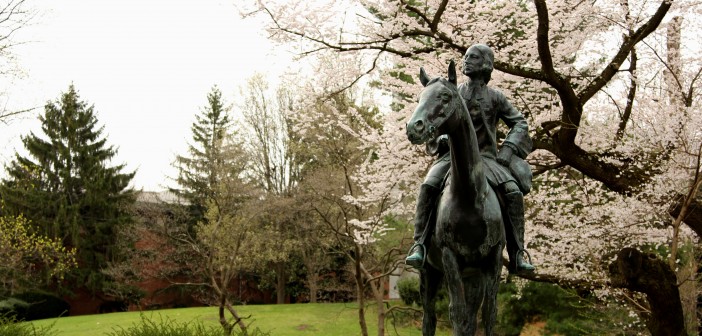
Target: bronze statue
[468,239]
[506,170]
[465,244]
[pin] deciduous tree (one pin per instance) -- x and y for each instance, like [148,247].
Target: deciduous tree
[274,165]
[615,140]
[14,15]
[354,207]
[26,255]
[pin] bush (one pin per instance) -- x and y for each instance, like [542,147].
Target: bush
[129,294]
[14,309]
[564,311]
[168,327]
[408,288]
[10,327]
[43,305]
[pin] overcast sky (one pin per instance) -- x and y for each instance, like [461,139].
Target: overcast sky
[146,65]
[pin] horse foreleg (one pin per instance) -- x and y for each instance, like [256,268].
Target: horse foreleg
[463,314]
[430,281]
[492,286]
[474,281]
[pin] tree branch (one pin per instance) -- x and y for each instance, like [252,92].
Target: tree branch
[625,49]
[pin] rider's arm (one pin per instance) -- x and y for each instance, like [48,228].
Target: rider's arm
[518,137]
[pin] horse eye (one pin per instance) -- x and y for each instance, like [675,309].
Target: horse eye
[445,97]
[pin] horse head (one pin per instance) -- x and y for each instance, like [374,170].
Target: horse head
[438,102]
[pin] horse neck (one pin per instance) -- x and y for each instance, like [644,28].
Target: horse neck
[467,174]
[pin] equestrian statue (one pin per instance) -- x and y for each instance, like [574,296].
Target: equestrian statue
[471,201]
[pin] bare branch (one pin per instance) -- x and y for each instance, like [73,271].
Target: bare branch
[624,50]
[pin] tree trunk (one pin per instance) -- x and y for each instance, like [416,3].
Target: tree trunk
[672,74]
[378,292]
[312,280]
[647,274]
[280,286]
[689,290]
[222,318]
[360,292]
[237,320]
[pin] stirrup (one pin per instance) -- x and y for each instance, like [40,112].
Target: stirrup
[424,254]
[527,254]
[516,266]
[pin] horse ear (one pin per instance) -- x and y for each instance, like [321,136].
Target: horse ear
[452,73]
[423,78]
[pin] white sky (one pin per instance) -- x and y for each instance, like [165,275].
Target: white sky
[146,65]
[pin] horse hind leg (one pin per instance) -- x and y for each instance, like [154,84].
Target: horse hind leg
[430,282]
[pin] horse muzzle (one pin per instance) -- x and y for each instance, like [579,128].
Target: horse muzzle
[419,132]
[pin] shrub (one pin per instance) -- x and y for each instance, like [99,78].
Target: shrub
[564,311]
[43,305]
[13,308]
[408,288]
[10,327]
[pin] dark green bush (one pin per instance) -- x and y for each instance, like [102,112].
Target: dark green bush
[13,308]
[408,288]
[43,305]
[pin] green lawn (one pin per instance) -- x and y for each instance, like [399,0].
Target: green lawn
[332,319]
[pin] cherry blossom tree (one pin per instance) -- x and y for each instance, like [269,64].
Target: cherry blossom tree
[14,16]
[609,93]
[340,128]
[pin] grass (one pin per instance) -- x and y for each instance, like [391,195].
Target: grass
[333,319]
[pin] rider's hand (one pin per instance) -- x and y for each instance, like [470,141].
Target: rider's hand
[504,157]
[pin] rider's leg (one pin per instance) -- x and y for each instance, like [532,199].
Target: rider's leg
[426,202]
[514,228]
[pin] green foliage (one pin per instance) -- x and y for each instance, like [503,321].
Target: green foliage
[67,188]
[167,327]
[123,291]
[409,290]
[564,312]
[9,326]
[42,305]
[13,308]
[409,294]
[23,252]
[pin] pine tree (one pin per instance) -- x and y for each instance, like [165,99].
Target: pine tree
[198,173]
[67,187]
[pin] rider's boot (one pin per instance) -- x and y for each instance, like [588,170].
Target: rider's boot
[425,204]
[515,234]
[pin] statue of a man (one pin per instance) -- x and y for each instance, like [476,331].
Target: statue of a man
[506,170]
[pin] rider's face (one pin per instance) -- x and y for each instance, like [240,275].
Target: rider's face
[472,62]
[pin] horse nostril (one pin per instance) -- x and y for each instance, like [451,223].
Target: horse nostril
[419,126]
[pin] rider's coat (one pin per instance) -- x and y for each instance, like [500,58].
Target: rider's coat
[487,107]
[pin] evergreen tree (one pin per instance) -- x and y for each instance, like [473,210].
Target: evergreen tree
[67,187]
[199,172]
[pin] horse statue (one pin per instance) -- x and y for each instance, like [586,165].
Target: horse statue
[466,247]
